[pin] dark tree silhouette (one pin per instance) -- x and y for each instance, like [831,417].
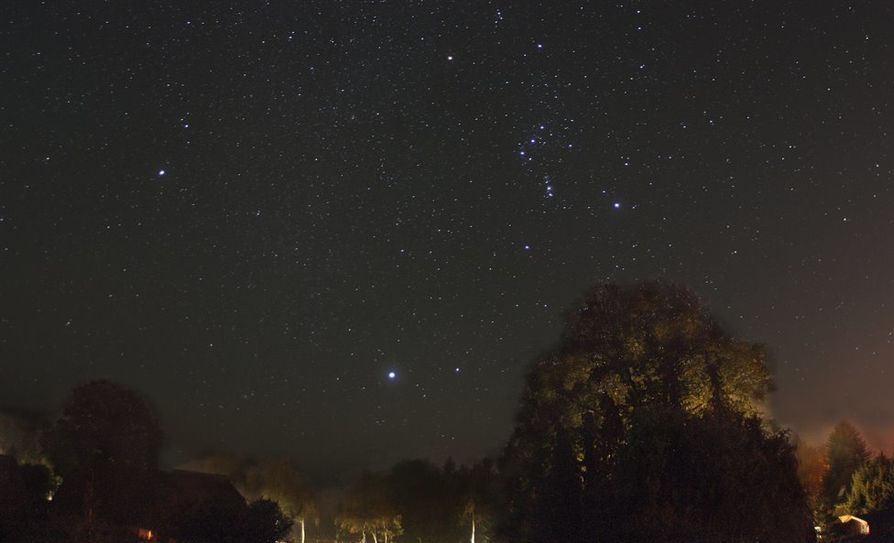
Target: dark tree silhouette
[812,470]
[264,522]
[715,477]
[421,494]
[103,423]
[105,446]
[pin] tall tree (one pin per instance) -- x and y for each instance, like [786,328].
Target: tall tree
[846,451]
[812,468]
[105,446]
[428,508]
[629,355]
[477,500]
[104,424]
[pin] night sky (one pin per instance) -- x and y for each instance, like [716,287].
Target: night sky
[255,212]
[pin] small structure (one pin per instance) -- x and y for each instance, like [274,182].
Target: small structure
[854,526]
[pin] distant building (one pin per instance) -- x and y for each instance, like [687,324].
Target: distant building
[163,506]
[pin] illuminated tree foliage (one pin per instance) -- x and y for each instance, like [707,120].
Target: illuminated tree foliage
[19,436]
[639,424]
[369,510]
[478,489]
[872,487]
[279,481]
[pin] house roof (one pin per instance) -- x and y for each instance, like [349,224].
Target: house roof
[185,487]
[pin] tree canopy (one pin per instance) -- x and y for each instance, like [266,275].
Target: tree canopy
[104,423]
[872,488]
[644,394]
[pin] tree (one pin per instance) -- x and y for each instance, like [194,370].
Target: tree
[812,470]
[872,487]
[279,481]
[105,446]
[478,495]
[20,434]
[632,358]
[103,423]
[845,453]
[715,477]
[264,522]
[369,509]
[429,505]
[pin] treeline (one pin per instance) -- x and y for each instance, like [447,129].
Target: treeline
[97,480]
[641,424]
[417,501]
[99,463]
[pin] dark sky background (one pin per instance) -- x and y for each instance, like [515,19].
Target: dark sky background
[253,212]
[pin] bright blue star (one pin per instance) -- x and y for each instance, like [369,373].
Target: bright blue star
[161,173]
[617,205]
[392,375]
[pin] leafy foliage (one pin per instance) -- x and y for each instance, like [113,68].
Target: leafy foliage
[872,487]
[717,477]
[277,480]
[640,422]
[369,508]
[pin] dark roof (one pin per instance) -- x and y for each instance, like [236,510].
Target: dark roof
[153,499]
[192,488]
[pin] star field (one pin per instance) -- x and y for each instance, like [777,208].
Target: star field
[342,230]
